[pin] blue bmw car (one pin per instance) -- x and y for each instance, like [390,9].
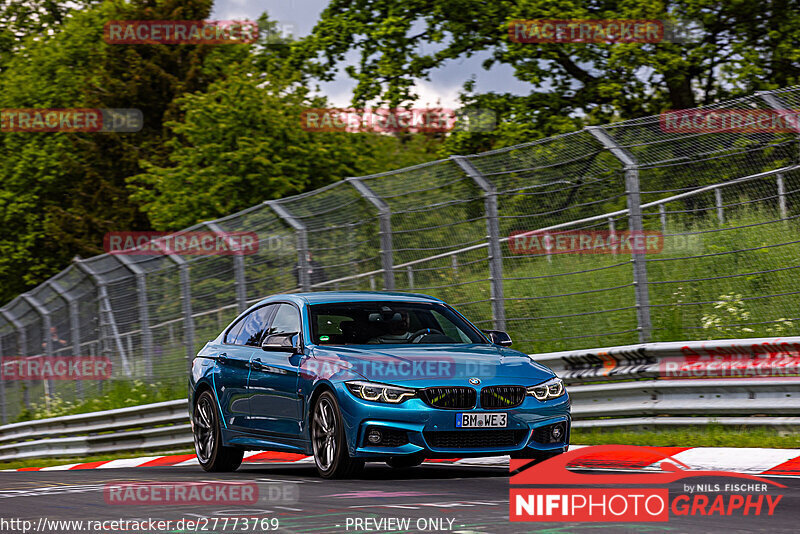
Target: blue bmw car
[351,377]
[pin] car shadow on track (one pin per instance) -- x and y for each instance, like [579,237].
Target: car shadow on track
[378,471]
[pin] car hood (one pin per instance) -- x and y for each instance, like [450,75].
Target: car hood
[434,364]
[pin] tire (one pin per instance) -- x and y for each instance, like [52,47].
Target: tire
[212,455]
[328,441]
[405,462]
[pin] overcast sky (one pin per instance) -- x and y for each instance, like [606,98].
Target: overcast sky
[442,89]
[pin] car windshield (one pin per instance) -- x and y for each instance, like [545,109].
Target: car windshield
[365,323]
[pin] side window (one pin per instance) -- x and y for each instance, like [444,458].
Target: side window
[230,337]
[286,321]
[253,327]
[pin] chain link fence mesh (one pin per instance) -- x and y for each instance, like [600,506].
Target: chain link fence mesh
[726,204]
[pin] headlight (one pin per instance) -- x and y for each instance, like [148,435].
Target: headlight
[551,389]
[380,392]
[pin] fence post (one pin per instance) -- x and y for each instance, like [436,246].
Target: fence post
[410,271]
[612,230]
[74,326]
[144,312]
[47,323]
[493,236]
[662,215]
[718,199]
[104,309]
[782,196]
[186,306]
[238,271]
[22,346]
[634,224]
[385,221]
[303,265]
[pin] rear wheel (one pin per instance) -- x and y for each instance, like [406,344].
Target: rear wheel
[328,440]
[211,454]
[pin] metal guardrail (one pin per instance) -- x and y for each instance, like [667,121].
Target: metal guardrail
[162,425]
[741,382]
[628,386]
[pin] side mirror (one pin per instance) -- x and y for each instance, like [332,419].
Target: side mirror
[498,337]
[289,342]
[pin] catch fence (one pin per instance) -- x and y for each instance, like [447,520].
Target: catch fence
[726,204]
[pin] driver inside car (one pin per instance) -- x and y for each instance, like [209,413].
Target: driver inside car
[396,330]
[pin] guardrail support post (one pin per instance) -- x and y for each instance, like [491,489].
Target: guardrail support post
[74,326]
[493,236]
[385,221]
[303,265]
[144,312]
[22,346]
[634,225]
[238,272]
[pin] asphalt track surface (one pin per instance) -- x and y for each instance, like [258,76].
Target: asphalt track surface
[459,499]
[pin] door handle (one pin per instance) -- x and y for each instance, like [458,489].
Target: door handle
[257,364]
[222,357]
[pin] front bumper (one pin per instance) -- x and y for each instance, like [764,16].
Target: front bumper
[421,422]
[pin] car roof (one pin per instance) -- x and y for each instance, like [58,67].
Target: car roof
[321,297]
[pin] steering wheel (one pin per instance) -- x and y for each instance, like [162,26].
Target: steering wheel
[422,332]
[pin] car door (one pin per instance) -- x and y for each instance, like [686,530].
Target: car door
[274,400]
[233,361]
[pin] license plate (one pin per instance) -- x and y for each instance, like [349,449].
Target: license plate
[481,420]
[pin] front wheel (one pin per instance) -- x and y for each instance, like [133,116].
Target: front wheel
[211,454]
[328,440]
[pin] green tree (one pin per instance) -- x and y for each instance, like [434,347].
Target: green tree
[733,49]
